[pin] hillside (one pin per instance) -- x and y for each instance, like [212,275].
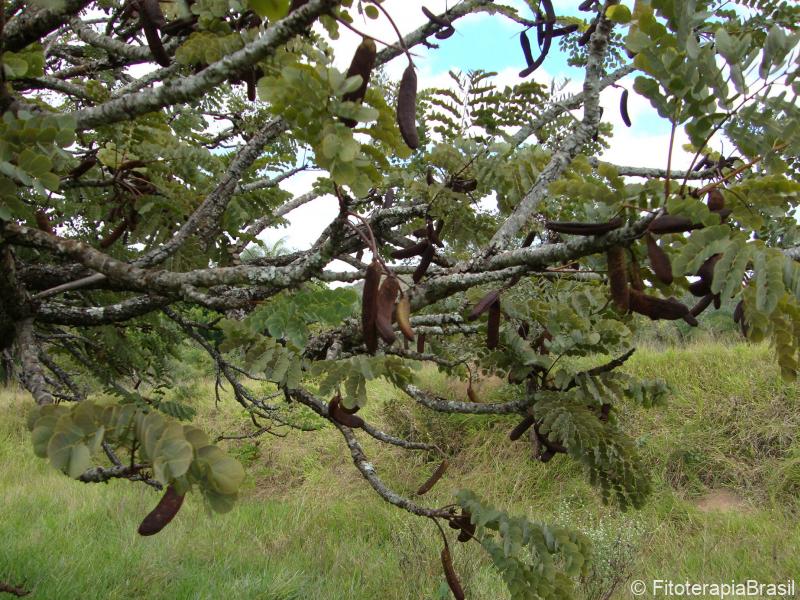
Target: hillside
[725,453]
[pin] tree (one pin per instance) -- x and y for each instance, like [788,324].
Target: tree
[127,208]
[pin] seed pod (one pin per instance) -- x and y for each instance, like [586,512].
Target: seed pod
[250,80]
[421,343]
[523,330]
[699,288]
[403,317]
[562,31]
[336,412]
[717,301]
[715,200]
[703,304]
[473,397]
[43,222]
[691,319]
[437,233]
[483,304]
[618,277]
[702,286]
[670,224]
[435,19]
[180,26]
[464,522]
[525,43]
[587,35]
[86,164]
[586,5]
[429,178]
[521,428]
[369,306]
[427,257]
[528,239]
[573,228]
[387,294]
[413,250]
[634,274]
[657,308]
[407,108]
[388,199]
[659,260]
[623,108]
[113,235]
[163,513]
[362,64]
[738,312]
[493,326]
[431,481]
[150,19]
[450,575]
[445,33]
[463,186]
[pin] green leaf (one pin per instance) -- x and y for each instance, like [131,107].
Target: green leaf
[271,9]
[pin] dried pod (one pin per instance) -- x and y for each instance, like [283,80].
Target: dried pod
[407,108]
[463,186]
[717,301]
[431,481]
[465,524]
[338,414]
[544,30]
[715,200]
[521,428]
[435,19]
[436,238]
[421,343]
[429,178]
[387,294]
[659,260]
[586,5]
[250,81]
[483,304]
[657,308]
[471,394]
[413,250]
[528,239]
[388,199]
[493,326]
[623,108]
[445,33]
[574,228]
[523,330]
[587,35]
[163,513]
[113,235]
[634,274]
[43,222]
[427,257]
[369,306]
[670,224]
[691,319]
[403,317]
[525,43]
[738,312]
[87,163]
[362,64]
[703,304]
[450,575]
[566,30]
[151,19]
[706,270]
[618,277]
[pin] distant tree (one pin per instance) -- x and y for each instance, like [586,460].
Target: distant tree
[130,193]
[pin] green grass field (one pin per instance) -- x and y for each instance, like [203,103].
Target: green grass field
[725,455]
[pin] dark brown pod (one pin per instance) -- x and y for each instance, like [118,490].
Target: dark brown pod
[421,343]
[388,199]
[427,257]
[634,274]
[521,428]
[467,527]
[717,301]
[431,481]
[738,312]
[659,260]
[574,228]
[163,513]
[566,30]
[436,238]
[471,394]
[434,18]
[618,277]
[450,575]
[657,308]
[338,414]
[180,26]
[523,330]
[691,319]
[586,5]
[369,306]
[483,304]
[150,19]
[699,288]
[413,250]
[463,186]
[528,239]
[445,33]
[525,43]
[407,108]
[670,224]
[703,304]
[250,81]
[493,326]
[623,108]
[43,222]
[86,164]
[402,314]
[429,178]
[587,35]
[715,200]
[362,64]
[706,270]
[387,294]
[113,235]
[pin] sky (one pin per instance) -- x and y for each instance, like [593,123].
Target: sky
[488,42]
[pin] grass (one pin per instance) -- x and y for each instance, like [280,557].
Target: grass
[725,455]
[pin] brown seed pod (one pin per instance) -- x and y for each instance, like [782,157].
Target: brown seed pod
[521,428]
[670,224]
[493,326]
[574,228]
[250,81]
[634,274]
[429,178]
[706,270]
[586,5]
[421,343]
[362,64]
[566,30]
[463,186]
[113,235]
[618,277]
[150,20]
[483,304]
[336,412]
[427,257]
[623,108]
[369,306]
[717,301]
[407,108]
[659,260]
[403,318]
[413,250]
[471,394]
[163,513]
[525,43]
[464,522]
[43,222]
[87,163]
[431,481]
[450,574]
[435,19]
[523,330]
[715,200]
[528,239]
[445,33]
[703,304]
[387,294]
[657,308]
[388,199]
[437,233]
